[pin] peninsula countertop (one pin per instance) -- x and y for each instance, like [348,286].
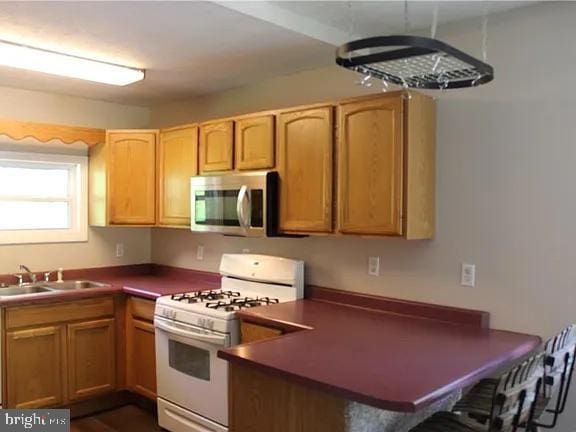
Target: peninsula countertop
[386,360]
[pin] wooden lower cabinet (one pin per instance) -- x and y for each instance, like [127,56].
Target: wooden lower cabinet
[141,348]
[141,354]
[91,358]
[250,332]
[34,372]
[262,402]
[59,353]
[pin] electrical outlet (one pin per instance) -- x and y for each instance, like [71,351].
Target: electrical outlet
[374,266]
[246,250]
[200,253]
[119,250]
[468,275]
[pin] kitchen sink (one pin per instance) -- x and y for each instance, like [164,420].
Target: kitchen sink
[47,287]
[74,285]
[21,290]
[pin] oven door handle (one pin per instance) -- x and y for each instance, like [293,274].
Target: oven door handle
[189,333]
[243,215]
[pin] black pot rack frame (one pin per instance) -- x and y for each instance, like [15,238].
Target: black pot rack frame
[413,65]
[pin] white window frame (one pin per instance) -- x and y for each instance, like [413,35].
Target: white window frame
[78,199]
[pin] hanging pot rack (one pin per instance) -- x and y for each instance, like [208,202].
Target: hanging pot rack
[414,62]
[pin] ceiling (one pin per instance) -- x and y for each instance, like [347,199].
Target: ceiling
[194,48]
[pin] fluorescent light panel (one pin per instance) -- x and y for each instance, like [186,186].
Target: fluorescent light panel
[23,57]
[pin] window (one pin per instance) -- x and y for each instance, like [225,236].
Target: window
[43,198]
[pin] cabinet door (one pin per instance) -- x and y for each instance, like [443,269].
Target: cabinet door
[255,143]
[305,159]
[177,162]
[216,147]
[131,177]
[35,364]
[141,357]
[370,159]
[91,358]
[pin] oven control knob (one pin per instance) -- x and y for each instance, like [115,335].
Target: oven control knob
[206,323]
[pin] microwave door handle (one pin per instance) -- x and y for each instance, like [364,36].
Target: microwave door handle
[211,339]
[243,215]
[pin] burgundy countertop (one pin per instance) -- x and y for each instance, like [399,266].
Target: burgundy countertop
[387,360]
[152,287]
[146,280]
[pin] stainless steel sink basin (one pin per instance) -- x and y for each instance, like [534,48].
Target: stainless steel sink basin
[21,290]
[74,285]
[47,287]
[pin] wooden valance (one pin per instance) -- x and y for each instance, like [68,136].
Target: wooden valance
[44,132]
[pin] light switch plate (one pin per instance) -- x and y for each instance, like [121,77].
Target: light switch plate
[374,266]
[200,253]
[468,275]
[119,250]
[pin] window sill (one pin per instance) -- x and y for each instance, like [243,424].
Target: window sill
[41,237]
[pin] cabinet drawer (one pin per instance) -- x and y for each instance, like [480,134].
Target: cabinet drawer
[28,316]
[140,308]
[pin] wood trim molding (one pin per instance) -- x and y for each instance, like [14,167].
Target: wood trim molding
[44,132]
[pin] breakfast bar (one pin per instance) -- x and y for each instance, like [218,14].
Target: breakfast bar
[338,367]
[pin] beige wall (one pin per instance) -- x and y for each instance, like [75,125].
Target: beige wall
[506,179]
[305,87]
[505,182]
[100,248]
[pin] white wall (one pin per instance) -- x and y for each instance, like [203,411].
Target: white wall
[100,249]
[506,179]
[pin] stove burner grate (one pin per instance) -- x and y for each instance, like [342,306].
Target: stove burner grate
[203,296]
[236,304]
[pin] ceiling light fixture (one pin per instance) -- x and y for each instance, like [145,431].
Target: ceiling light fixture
[39,60]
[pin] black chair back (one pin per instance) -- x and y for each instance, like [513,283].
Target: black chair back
[559,368]
[513,404]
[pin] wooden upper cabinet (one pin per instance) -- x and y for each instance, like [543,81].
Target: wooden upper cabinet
[386,166]
[370,158]
[254,142]
[35,361]
[384,174]
[131,177]
[91,358]
[217,146]
[305,159]
[177,162]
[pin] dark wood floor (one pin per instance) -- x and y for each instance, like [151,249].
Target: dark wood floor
[128,418]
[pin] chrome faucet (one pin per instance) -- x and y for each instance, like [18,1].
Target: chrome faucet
[19,277]
[32,276]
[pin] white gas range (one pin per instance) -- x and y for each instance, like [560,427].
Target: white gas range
[192,327]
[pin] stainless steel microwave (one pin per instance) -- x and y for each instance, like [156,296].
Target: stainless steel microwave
[235,204]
